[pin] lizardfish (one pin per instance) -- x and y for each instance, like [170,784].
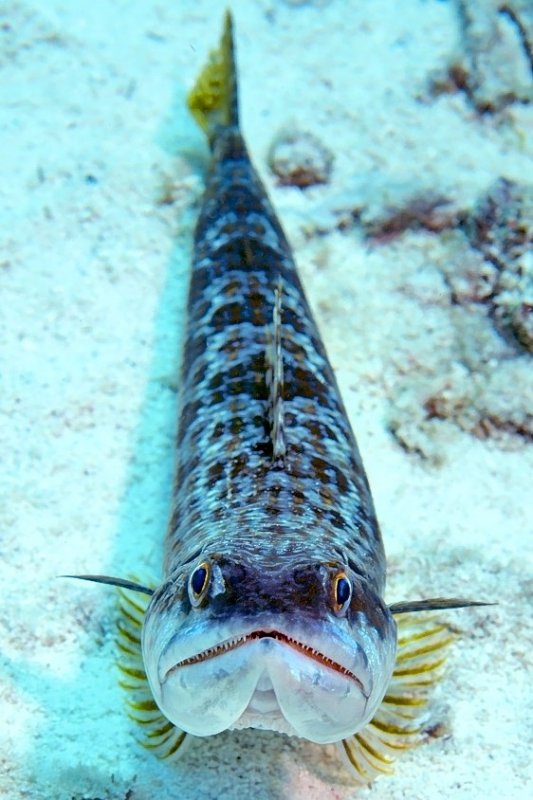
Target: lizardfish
[271,612]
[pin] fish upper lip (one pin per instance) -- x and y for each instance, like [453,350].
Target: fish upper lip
[266,633]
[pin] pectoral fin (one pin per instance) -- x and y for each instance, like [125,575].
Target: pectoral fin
[435,604]
[401,721]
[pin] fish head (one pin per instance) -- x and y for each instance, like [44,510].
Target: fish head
[306,649]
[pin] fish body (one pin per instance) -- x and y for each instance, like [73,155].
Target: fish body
[271,614]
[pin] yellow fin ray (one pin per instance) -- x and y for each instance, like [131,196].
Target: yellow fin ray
[158,734]
[400,721]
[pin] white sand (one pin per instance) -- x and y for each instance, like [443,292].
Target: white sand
[93,273]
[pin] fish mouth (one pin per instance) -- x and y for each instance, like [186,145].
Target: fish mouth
[238,641]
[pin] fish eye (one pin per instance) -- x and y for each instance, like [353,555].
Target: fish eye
[199,583]
[341,593]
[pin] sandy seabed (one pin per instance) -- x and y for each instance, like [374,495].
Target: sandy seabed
[424,106]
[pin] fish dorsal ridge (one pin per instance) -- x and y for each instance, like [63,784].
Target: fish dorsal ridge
[275,378]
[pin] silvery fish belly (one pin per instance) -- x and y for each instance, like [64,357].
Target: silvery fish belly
[271,612]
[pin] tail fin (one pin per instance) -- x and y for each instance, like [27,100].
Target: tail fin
[213,101]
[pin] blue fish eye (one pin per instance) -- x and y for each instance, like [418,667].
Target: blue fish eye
[199,583]
[198,580]
[342,592]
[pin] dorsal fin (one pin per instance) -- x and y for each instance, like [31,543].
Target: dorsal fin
[275,378]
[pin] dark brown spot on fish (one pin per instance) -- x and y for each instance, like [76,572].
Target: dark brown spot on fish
[336,520]
[216,381]
[237,371]
[216,398]
[236,388]
[218,431]
[229,314]
[321,469]
[326,495]
[247,252]
[236,425]
[258,228]
[215,472]
[258,307]
[237,464]
[229,228]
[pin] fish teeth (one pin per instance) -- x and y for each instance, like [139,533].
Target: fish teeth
[237,641]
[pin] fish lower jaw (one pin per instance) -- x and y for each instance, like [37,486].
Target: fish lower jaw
[263,711]
[267,682]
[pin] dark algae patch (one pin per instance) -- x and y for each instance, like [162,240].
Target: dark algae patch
[481,379]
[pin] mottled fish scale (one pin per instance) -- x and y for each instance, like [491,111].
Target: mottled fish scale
[230,490]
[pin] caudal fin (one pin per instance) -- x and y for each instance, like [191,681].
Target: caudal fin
[213,101]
